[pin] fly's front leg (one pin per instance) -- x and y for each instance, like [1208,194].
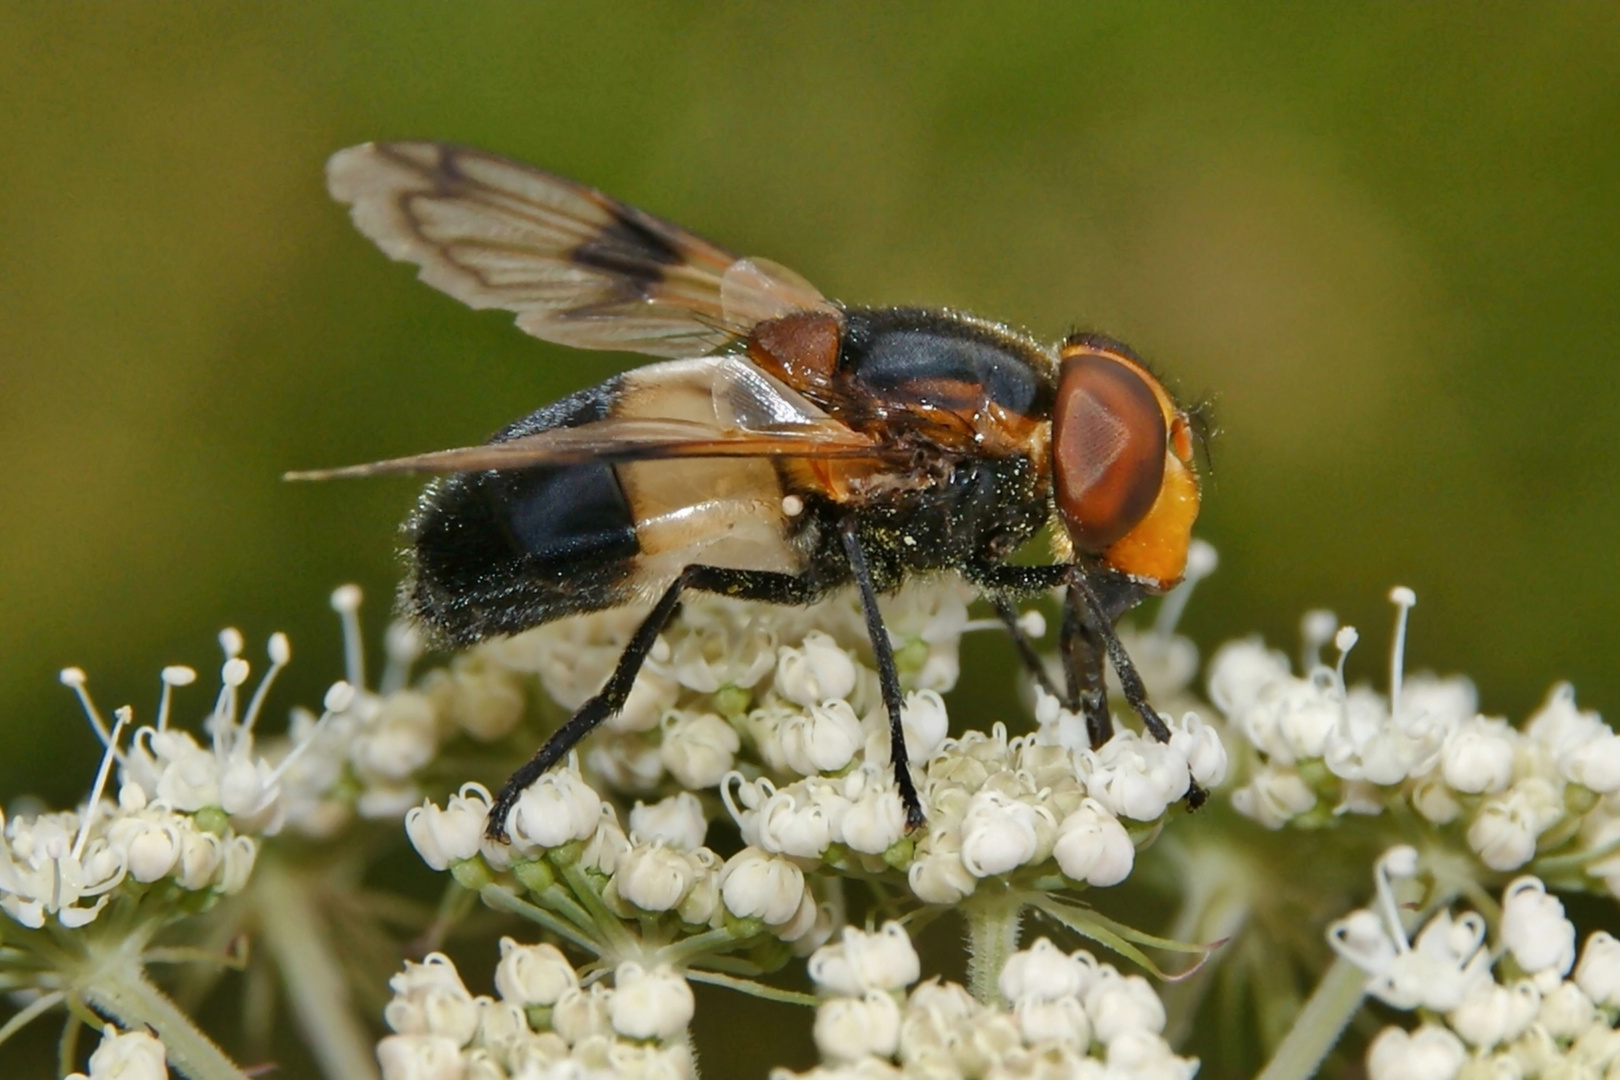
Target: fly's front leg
[888,674]
[1082,655]
[1001,586]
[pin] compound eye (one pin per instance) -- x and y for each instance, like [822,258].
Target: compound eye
[1109,441]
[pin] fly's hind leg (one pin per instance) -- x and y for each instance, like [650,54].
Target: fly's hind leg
[772,587]
[888,674]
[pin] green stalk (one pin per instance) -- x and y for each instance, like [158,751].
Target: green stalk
[120,989]
[317,992]
[992,938]
[1332,1005]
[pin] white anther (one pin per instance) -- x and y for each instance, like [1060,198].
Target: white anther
[178,675]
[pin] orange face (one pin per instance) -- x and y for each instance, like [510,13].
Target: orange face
[1122,464]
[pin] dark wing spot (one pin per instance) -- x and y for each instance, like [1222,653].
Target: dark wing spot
[629,248]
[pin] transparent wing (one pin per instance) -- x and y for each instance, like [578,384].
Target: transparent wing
[574,265]
[716,407]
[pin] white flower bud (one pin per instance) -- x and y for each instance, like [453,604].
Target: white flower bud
[1240,670]
[1092,846]
[650,698]
[822,739]
[534,1056]
[698,749]
[1566,1012]
[1062,1021]
[1274,796]
[1429,1053]
[486,700]
[925,723]
[1135,777]
[656,1004]
[1597,766]
[554,810]
[677,821]
[429,999]
[450,835]
[533,974]
[654,877]
[875,819]
[849,1029]
[1534,928]
[1598,973]
[200,857]
[1043,973]
[236,866]
[755,884]
[1490,1014]
[1199,745]
[419,1057]
[129,1055]
[153,851]
[998,834]
[937,875]
[1478,758]
[817,671]
[1144,1054]
[884,960]
[501,1025]
[1120,1003]
[703,898]
[582,1014]
[793,822]
[1434,799]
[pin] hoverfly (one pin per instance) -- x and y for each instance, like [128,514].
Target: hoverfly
[785,446]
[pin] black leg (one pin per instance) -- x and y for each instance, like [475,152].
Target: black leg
[888,674]
[762,585]
[609,701]
[1083,670]
[1008,614]
[1098,621]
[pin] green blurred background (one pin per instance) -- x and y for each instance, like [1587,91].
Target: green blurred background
[1387,237]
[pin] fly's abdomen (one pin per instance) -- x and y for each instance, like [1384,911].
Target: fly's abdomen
[499,552]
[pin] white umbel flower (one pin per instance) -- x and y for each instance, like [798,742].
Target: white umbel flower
[677,821]
[1429,1053]
[861,961]
[533,974]
[1534,928]
[757,884]
[655,1004]
[450,835]
[556,809]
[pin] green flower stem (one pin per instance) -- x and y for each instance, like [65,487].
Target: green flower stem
[1316,1031]
[749,986]
[503,899]
[317,991]
[118,987]
[992,938]
[33,1011]
[679,952]
[624,944]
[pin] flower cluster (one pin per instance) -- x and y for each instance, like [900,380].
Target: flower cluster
[186,814]
[371,756]
[778,709]
[1530,1017]
[1318,749]
[1060,1015]
[542,1021]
